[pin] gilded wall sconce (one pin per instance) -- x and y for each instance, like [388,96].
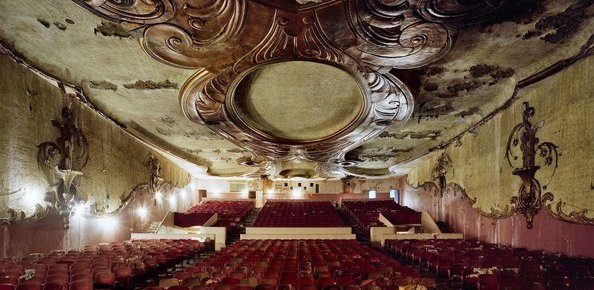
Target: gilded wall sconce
[527,155]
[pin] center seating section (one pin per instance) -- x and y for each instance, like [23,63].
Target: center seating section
[299,214]
[472,264]
[108,266]
[365,213]
[229,214]
[300,264]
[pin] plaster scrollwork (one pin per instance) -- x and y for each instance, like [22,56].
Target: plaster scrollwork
[455,189]
[227,39]
[577,216]
[454,12]
[392,35]
[387,98]
[135,11]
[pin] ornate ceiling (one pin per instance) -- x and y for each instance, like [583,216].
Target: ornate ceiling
[296,88]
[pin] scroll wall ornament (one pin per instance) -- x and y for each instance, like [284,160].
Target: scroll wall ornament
[231,43]
[156,183]
[526,154]
[62,161]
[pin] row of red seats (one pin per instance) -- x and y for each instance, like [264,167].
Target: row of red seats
[185,220]
[365,214]
[298,264]
[106,266]
[229,212]
[299,214]
[472,264]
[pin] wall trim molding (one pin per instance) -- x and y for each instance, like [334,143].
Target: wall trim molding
[555,209]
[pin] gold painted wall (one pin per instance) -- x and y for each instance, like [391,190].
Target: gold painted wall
[117,163]
[564,109]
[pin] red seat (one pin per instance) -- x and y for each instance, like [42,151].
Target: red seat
[324,281]
[29,286]
[5,286]
[55,286]
[230,281]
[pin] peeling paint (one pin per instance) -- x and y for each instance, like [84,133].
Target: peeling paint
[112,29]
[413,135]
[60,25]
[103,85]
[469,112]
[168,120]
[151,85]
[561,26]
[44,22]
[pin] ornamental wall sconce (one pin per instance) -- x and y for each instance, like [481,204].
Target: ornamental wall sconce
[62,161]
[526,154]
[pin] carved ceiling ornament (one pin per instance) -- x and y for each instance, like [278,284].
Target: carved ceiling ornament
[523,152]
[229,41]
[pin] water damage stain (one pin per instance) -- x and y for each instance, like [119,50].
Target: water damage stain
[151,85]
[558,27]
[103,85]
[44,22]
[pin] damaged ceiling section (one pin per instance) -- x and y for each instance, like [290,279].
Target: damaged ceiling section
[447,93]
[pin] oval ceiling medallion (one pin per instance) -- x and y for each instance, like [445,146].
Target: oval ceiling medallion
[297,101]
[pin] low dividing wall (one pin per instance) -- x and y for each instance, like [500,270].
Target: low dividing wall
[335,233]
[428,229]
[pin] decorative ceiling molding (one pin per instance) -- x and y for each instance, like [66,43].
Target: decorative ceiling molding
[234,38]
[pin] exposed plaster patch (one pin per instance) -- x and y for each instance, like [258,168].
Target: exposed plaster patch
[520,12]
[112,29]
[479,75]
[469,112]
[561,26]
[168,120]
[163,131]
[44,22]
[151,85]
[432,70]
[430,87]
[60,25]
[494,71]
[103,85]
[433,109]
[433,134]
[236,150]
[468,86]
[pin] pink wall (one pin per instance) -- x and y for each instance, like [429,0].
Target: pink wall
[48,234]
[548,233]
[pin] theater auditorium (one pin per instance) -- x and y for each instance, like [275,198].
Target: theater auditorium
[296,144]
